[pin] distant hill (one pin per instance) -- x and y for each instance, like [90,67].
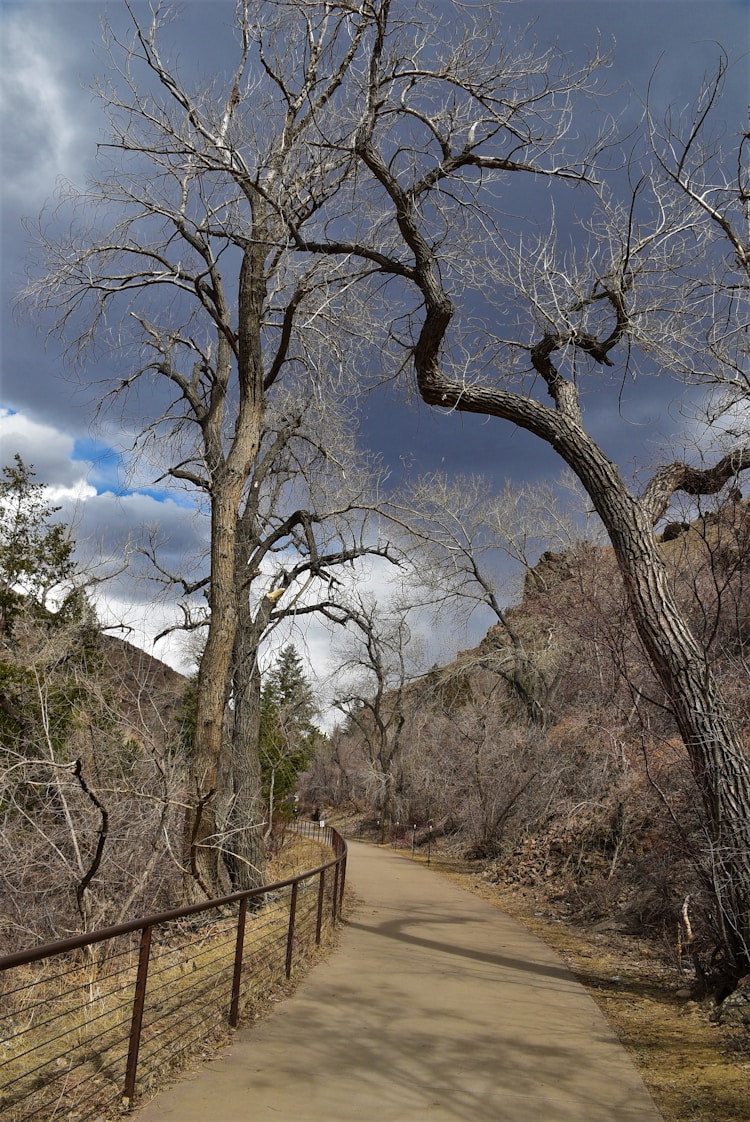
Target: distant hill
[149,694]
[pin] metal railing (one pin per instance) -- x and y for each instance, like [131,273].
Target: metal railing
[88,1022]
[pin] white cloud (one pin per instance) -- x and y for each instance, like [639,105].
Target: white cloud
[49,451]
[320,643]
[107,526]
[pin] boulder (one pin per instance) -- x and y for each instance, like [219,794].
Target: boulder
[735,1009]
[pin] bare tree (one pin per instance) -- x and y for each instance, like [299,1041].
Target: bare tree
[501,316]
[91,778]
[467,546]
[443,132]
[308,512]
[376,671]
[179,262]
[304,520]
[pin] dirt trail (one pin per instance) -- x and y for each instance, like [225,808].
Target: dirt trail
[435,1006]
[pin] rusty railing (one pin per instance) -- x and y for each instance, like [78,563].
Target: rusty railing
[89,1022]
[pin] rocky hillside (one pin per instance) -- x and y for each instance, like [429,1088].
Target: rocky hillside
[92,775]
[150,695]
[549,753]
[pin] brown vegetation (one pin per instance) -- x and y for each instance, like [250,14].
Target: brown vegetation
[66,1020]
[597,804]
[91,781]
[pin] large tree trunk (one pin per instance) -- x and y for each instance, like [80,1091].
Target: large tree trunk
[205,869]
[719,763]
[203,865]
[246,820]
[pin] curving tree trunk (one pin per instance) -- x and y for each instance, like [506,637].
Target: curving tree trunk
[720,765]
[719,762]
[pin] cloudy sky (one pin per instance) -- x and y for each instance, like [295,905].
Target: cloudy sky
[51,54]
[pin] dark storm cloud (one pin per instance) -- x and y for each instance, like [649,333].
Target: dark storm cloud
[51,126]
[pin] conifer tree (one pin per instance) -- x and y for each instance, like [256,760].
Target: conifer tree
[36,553]
[288,736]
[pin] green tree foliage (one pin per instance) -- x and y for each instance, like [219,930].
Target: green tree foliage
[288,737]
[36,554]
[40,675]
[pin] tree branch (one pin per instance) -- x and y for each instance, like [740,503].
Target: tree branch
[658,493]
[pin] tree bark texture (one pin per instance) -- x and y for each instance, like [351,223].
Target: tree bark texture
[719,762]
[246,841]
[202,858]
[229,471]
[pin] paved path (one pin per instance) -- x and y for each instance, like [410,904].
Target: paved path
[436,1006]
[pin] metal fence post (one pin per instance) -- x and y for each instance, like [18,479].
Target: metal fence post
[290,936]
[335,894]
[139,1000]
[321,895]
[343,882]
[234,1009]
[130,1030]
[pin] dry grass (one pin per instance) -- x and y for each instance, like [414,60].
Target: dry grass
[65,1024]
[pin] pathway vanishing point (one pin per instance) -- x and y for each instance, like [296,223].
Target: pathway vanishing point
[436,1006]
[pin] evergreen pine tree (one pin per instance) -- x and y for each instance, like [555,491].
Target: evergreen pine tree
[36,554]
[288,736]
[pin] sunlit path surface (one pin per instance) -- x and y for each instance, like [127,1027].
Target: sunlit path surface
[435,1006]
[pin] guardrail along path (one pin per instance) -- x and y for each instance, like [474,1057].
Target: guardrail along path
[435,1006]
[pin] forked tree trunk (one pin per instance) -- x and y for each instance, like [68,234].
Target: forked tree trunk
[205,871]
